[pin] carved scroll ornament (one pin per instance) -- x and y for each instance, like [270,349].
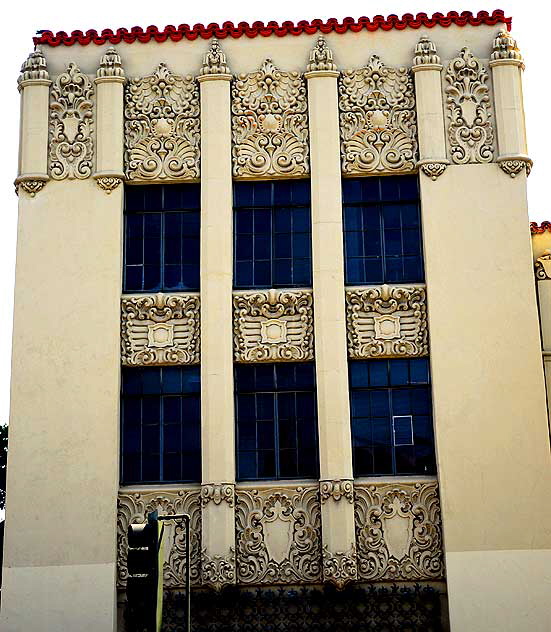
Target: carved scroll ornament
[398,531]
[470,131]
[71,125]
[269,123]
[160,329]
[341,567]
[337,489]
[273,325]
[162,127]
[217,570]
[377,119]
[387,321]
[218,493]
[543,266]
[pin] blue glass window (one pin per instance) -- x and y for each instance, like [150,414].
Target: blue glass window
[161,425]
[161,237]
[272,234]
[382,230]
[276,421]
[391,412]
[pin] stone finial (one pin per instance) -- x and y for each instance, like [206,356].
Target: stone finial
[214,61]
[505,47]
[34,67]
[110,64]
[321,57]
[425,53]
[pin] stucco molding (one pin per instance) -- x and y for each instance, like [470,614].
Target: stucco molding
[34,70]
[218,571]
[336,490]
[398,531]
[218,493]
[470,131]
[340,567]
[269,123]
[160,329]
[542,266]
[321,58]
[377,119]
[71,127]
[387,321]
[214,61]
[426,56]
[273,325]
[162,127]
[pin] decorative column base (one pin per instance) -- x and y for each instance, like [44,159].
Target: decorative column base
[108,181]
[513,165]
[340,567]
[433,168]
[31,183]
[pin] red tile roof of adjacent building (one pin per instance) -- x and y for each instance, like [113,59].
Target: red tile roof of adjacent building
[228,29]
[536,229]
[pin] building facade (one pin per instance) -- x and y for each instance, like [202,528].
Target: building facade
[257,283]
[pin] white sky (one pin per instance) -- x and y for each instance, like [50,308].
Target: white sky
[530,28]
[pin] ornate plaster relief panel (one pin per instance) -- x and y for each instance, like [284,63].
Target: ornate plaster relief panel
[71,129]
[470,132]
[162,127]
[269,123]
[134,507]
[377,119]
[398,531]
[160,329]
[273,325]
[387,321]
[278,535]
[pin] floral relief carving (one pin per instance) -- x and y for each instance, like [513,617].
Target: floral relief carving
[387,321]
[341,567]
[133,507]
[278,535]
[398,531]
[162,127]
[71,125]
[543,266]
[470,131]
[269,123]
[160,329]
[377,119]
[273,325]
[218,493]
[217,570]
[337,489]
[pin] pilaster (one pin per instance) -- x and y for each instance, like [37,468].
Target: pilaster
[543,276]
[339,552]
[217,408]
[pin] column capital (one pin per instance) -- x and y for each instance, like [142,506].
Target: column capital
[34,71]
[426,57]
[321,62]
[215,65]
[110,68]
[505,51]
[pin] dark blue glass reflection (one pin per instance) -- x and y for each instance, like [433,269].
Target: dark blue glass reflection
[272,234]
[276,421]
[382,230]
[161,425]
[161,245]
[391,413]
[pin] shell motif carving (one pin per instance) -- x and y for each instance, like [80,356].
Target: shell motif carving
[160,329]
[134,506]
[278,535]
[377,119]
[387,321]
[470,131]
[273,325]
[269,123]
[398,531]
[71,126]
[162,127]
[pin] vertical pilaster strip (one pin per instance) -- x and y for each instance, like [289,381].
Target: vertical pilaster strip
[339,554]
[34,86]
[507,66]
[110,121]
[217,408]
[543,276]
[430,109]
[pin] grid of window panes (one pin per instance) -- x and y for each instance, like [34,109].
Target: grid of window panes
[391,417]
[382,230]
[161,425]
[272,234]
[276,421]
[161,230]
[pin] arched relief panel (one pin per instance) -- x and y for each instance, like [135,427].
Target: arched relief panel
[269,124]
[377,119]
[162,127]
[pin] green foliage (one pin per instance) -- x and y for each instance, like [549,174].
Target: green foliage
[3,463]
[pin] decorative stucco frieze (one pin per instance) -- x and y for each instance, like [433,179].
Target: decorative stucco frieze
[160,329]
[341,567]
[433,169]
[543,266]
[470,132]
[337,489]
[217,570]
[133,507]
[214,60]
[377,119]
[278,535]
[162,127]
[71,128]
[273,325]
[398,531]
[269,123]
[218,493]
[321,58]
[505,48]
[425,53]
[110,65]
[34,68]
[387,321]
